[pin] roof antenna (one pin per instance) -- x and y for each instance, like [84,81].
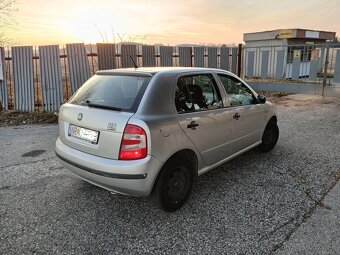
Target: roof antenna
[133,62]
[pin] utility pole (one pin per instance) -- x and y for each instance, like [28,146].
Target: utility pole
[324,81]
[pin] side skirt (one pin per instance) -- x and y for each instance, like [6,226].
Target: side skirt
[208,168]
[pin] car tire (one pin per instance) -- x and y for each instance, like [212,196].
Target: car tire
[270,137]
[173,185]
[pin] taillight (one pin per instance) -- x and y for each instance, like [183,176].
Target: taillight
[134,144]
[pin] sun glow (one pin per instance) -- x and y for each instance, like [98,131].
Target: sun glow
[167,22]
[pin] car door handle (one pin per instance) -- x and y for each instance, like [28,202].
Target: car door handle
[193,125]
[236,116]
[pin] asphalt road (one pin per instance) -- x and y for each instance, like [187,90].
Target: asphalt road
[255,204]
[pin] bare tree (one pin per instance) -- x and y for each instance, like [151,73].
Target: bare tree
[7,8]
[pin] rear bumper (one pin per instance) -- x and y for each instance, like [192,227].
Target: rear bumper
[135,177]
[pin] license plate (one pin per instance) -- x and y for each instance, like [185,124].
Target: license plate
[84,134]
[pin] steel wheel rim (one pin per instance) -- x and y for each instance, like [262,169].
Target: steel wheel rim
[178,184]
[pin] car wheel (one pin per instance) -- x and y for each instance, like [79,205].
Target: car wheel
[173,185]
[270,137]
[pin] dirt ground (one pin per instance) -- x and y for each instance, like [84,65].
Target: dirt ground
[13,118]
[305,100]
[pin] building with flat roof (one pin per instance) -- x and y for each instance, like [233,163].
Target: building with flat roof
[288,37]
[264,52]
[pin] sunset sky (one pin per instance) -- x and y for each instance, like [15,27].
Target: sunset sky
[167,22]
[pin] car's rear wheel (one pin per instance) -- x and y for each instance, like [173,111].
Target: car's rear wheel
[270,137]
[173,185]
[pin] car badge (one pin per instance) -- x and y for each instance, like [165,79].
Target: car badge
[111,126]
[80,116]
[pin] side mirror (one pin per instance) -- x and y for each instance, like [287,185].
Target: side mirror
[262,99]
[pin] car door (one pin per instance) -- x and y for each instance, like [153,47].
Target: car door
[248,114]
[202,116]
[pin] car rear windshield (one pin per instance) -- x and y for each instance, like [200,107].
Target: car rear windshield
[121,93]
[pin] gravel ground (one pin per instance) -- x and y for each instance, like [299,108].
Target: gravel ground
[253,204]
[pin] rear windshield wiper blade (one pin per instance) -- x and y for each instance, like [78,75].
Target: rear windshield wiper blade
[108,107]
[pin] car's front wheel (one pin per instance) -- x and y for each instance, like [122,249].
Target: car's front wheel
[173,185]
[270,136]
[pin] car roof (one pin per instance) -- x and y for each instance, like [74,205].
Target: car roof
[150,71]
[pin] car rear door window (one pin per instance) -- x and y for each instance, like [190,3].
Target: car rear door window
[237,93]
[112,92]
[197,93]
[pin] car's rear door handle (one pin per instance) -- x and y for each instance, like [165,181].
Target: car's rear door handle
[236,116]
[192,125]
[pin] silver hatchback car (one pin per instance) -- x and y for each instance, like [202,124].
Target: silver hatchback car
[151,131]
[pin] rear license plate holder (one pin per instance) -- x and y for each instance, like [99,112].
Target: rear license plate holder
[84,134]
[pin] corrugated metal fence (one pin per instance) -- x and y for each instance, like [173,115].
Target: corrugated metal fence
[304,62]
[3,79]
[43,79]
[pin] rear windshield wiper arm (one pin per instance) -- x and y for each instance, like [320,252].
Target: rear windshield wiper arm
[108,107]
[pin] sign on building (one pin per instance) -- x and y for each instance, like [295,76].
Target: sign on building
[287,33]
[297,53]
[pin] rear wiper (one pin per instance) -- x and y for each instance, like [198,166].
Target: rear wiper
[108,107]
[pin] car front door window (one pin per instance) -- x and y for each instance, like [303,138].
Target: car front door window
[237,93]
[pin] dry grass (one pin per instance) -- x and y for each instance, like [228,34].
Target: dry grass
[13,118]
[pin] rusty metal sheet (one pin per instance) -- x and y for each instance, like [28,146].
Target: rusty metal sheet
[51,77]
[166,55]
[224,58]
[3,80]
[199,56]
[23,78]
[106,56]
[78,65]
[212,57]
[149,55]
[234,51]
[128,51]
[185,56]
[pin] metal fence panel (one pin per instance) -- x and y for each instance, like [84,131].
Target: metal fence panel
[149,55]
[3,80]
[280,55]
[185,56]
[313,71]
[51,77]
[23,78]
[224,58]
[78,65]
[166,55]
[264,64]
[250,64]
[234,60]
[337,68]
[128,55]
[296,68]
[212,57]
[199,56]
[106,53]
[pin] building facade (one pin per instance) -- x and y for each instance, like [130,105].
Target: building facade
[284,53]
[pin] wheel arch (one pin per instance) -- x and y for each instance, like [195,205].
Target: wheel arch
[188,155]
[273,118]
[185,154]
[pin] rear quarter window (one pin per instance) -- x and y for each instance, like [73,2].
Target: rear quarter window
[120,92]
